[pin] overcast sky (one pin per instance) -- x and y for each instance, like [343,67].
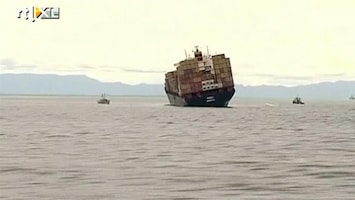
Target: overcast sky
[279,42]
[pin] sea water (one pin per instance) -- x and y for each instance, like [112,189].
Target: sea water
[141,148]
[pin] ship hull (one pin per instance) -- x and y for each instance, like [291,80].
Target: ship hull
[211,98]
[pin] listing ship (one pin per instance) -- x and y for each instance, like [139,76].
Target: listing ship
[203,80]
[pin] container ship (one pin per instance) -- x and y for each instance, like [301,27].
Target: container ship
[202,80]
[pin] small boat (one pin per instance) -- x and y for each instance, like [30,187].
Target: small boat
[103,100]
[297,100]
[352,97]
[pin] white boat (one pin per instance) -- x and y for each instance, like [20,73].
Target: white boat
[352,97]
[103,100]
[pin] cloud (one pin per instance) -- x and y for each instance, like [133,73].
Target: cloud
[334,75]
[289,80]
[281,77]
[107,70]
[296,78]
[10,64]
[24,66]
[74,70]
[142,71]
[7,62]
[86,67]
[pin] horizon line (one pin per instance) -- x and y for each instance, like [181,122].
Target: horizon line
[142,83]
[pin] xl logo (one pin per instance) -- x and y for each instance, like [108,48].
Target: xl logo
[40,13]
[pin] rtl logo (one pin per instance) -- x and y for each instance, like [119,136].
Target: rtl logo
[40,13]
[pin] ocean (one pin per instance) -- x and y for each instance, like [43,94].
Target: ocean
[70,147]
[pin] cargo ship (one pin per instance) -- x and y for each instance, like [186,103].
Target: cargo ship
[202,80]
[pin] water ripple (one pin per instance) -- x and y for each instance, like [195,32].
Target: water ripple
[137,148]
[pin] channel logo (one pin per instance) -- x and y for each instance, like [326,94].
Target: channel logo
[39,13]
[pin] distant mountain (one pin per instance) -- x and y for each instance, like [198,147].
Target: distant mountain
[50,84]
[324,90]
[43,84]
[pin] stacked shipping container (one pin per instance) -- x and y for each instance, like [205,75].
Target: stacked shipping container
[223,70]
[190,76]
[171,83]
[193,76]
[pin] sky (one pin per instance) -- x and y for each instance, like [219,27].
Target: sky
[274,42]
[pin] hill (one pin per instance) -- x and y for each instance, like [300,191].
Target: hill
[51,84]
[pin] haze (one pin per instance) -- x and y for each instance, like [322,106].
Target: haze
[273,42]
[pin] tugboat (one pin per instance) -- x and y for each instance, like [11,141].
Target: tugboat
[297,100]
[103,100]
